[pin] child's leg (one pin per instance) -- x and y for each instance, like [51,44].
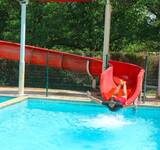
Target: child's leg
[117,89]
[124,92]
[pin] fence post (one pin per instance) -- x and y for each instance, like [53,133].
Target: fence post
[159,77]
[93,83]
[145,78]
[47,69]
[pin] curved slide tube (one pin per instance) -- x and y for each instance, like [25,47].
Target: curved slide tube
[132,74]
[56,59]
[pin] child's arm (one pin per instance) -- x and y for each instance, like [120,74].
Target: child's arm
[124,90]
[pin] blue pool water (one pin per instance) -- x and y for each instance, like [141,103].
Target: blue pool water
[5,98]
[47,125]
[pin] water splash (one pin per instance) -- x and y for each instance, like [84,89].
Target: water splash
[106,121]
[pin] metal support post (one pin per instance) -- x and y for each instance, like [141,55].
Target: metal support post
[145,78]
[23,4]
[106,35]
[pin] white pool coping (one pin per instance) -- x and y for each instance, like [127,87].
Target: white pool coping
[13,101]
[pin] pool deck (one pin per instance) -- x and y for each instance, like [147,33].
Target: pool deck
[151,101]
[58,94]
[41,93]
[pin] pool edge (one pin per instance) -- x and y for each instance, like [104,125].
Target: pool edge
[13,101]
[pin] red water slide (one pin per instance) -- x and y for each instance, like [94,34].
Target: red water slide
[132,74]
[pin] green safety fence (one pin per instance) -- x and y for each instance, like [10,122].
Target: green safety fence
[149,61]
[50,78]
[35,76]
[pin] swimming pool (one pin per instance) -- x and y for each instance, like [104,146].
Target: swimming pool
[5,98]
[59,125]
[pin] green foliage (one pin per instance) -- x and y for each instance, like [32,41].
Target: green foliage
[82,51]
[8,73]
[133,25]
[135,58]
[79,26]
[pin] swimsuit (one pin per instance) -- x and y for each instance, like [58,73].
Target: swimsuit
[120,99]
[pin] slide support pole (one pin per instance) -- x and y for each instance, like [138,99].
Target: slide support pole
[23,4]
[107,25]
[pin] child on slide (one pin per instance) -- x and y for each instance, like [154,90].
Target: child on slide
[116,102]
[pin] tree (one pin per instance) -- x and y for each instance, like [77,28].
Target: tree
[135,25]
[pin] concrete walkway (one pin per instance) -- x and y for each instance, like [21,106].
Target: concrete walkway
[52,93]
